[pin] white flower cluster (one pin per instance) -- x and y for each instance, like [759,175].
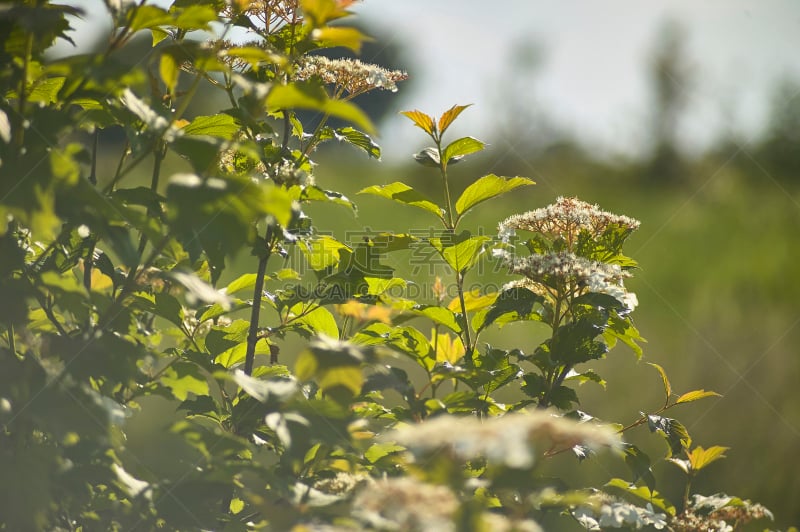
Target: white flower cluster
[511,440]
[349,75]
[566,218]
[619,515]
[405,503]
[716,512]
[576,272]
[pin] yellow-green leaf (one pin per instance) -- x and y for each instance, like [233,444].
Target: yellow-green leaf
[449,116]
[402,193]
[421,120]
[460,148]
[694,395]
[664,379]
[700,458]
[473,300]
[463,255]
[486,188]
[332,36]
[221,126]
[322,252]
[308,95]
[169,71]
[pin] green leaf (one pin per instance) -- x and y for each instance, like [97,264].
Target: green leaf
[336,366]
[333,36]
[309,95]
[314,193]
[439,315]
[487,187]
[586,376]
[464,253]
[688,397]
[263,390]
[640,466]
[513,304]
[461,148]
[358,139]
[318,321]
[322,252]
[243,282]
[449,116]
[146,17]
[617,486]
[700,458]
[402,193]
[382,450]
[169,71]
[673,431]
[664,379]
[221,125]
[182,378]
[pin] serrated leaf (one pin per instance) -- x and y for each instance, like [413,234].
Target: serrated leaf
[664,380]
[182,378]
[488,187]
[449,116]
[461,148]
[358,139]
[402,193]
[318,321]
[308,95]
[511,305]
[700,458]
[421,120]
[694,395]
[323,252]
[221,126]
[462,255]
[617,486]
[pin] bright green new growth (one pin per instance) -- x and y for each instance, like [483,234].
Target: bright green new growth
[392,415]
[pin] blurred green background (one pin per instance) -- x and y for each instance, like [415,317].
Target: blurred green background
[719,254]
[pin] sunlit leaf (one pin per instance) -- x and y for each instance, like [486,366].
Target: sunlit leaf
[694,395]
[461,148]
[308,95]
[332,36]
[449,116]
[464,253]
[700,458]
[220,125]
[421,120]
[487,187]
[402,193]
[664,379]
[641,494]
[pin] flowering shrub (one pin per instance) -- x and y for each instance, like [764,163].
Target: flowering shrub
[113,295]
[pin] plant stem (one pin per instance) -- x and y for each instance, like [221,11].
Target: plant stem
[12,345]
[258,294]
